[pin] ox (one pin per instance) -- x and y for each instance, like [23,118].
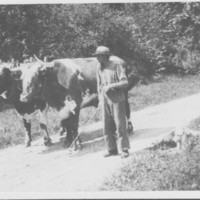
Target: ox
[62,84]
[11,86]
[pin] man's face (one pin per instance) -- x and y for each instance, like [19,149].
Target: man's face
[102,58]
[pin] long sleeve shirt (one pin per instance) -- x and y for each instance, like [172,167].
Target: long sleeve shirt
[112,75]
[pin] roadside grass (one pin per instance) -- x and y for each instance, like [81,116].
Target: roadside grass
[157,170]
[195,124]
[163,89]
[160,90]
[161,167]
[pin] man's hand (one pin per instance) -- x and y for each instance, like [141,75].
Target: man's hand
[106,88]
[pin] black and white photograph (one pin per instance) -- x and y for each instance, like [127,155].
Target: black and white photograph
[100,99]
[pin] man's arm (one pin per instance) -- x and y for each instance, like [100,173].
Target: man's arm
[98,82]
[99,88]
[123,81]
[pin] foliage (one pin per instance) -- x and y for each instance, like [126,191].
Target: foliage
[195,124]
[151,36]
[169,33]
[157,170]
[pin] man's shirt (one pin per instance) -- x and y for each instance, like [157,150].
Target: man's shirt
[112,75]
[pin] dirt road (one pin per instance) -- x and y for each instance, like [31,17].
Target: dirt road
[40,169]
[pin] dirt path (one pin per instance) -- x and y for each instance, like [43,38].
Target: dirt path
[38,169]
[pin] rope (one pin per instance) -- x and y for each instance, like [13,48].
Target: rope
[85,125]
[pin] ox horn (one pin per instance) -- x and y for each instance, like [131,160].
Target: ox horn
[38,59]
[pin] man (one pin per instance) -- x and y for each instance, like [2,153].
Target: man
[111,83]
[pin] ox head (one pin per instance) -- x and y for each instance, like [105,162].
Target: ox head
[53,82]
[33,80]
[42,74]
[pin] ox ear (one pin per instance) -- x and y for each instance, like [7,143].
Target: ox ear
[66,73]
[16,75]
[42,71]
[6,71]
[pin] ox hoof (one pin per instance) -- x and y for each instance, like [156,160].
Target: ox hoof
[74,147]
[130,128]
[28,144]
[67,144]
[48,143]
[77,146]
[80,146]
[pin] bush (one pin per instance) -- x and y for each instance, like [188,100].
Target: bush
[157,170]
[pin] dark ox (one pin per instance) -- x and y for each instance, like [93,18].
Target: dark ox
[11,85]
[63,84]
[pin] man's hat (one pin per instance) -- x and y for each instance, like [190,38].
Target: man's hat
[102,50]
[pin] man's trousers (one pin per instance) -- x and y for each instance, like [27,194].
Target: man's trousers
[114,124]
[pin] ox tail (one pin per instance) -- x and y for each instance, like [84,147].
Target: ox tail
[91,100]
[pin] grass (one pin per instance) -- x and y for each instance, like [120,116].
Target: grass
[195,124]
[161,167]
[12,131]
[157,170]
[160,90]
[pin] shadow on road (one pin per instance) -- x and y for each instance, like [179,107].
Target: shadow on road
[90,145]
[141,137]
[151,133]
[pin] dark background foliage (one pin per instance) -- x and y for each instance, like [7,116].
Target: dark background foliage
[150,36]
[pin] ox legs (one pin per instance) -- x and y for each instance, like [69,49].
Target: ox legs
[47,139]
[61,131]
[62,128]
[75,119]
[67,123]
[43,126]
[28,137]
[71,125]
[69,136]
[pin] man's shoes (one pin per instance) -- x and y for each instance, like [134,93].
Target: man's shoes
[111,153]
[125,154]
